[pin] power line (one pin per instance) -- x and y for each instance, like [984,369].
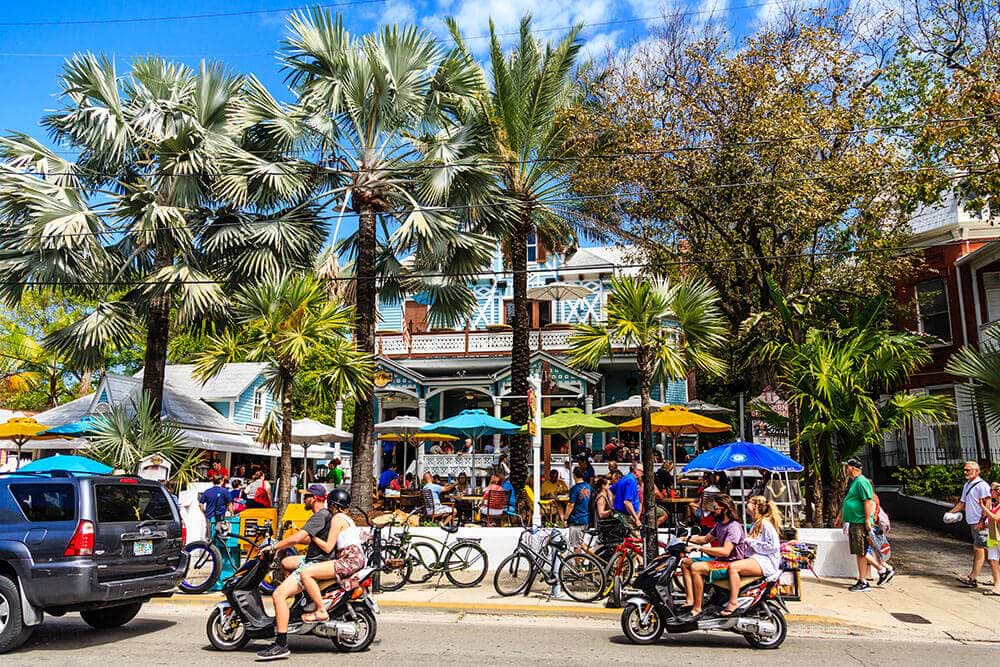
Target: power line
[563,202]
[184,17]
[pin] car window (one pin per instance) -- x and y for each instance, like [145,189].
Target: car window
[45,502]
[128,502]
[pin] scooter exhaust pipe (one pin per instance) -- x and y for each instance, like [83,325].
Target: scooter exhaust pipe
[756,626]
[342,630]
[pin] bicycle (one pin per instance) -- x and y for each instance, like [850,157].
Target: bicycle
[415,560]
[544,552]
[205,560]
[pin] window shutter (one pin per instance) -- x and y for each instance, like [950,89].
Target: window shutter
[540,251]
[966,422]
[922,444]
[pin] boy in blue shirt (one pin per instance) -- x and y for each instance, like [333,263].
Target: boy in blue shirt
[578,511]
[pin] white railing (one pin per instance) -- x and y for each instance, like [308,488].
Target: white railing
[473,342]
[453,464]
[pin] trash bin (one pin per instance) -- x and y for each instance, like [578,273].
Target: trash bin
[231,558]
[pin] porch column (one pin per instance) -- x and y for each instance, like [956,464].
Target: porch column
[377,458]
[588,408]
[338,420]
[497,411]
[422,416]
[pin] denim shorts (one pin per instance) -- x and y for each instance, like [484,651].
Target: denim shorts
[979,537]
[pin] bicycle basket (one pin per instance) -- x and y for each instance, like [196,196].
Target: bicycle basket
[538,540]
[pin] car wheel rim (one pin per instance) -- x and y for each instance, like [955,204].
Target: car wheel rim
[4,612]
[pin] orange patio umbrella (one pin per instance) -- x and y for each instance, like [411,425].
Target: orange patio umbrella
[677,420]
[21,430]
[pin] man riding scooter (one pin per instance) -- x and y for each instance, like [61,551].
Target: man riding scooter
[318,525]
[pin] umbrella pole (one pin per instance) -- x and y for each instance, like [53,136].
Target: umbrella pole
[405,442]
[743,497]
[677,471]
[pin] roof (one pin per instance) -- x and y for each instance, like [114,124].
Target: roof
[66,413]
[227,385]
[593,259]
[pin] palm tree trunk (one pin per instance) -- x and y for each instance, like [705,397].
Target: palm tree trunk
[648,477]
[285,465]
[364,409]
[520,353]
[157,338]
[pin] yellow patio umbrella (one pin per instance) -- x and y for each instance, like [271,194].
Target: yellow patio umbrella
[21,430]
[677,420]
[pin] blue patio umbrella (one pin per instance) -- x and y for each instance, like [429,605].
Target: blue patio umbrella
[742,455]
[79,465]
[471,424]
[85,426]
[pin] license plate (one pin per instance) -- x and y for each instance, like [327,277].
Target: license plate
[142,548]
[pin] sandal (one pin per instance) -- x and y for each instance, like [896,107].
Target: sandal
[991,592]
[726,612]
[316,617]
[966,582]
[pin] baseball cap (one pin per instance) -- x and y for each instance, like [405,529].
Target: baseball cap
[853,462]
[317,490]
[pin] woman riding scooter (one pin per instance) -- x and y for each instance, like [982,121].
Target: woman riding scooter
[349,558]
[764,542]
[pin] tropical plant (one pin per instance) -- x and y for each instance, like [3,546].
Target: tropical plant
[169,201]
[130,432]
[842,382]
[982,367]
[521,125]
[280,321]
[672,328]
[380,114]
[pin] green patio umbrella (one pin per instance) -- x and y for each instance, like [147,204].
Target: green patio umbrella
[571,423]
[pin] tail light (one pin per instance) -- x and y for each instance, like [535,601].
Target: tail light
[82,542]
[184,533]
[358,594]
[128,480]
[367,583]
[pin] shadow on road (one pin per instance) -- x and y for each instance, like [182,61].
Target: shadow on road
[70,633]
[698,639]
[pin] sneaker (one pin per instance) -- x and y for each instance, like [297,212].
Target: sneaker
[859,587]
[885,577]
[273,652]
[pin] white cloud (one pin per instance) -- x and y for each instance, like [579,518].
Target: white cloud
[473,17]
[397,11]
[651,10]
[600,45]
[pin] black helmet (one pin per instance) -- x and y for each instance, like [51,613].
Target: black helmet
[339,498]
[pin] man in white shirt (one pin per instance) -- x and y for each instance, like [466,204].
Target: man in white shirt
[974,490]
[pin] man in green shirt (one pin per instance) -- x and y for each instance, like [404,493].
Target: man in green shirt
[335,475]
[858,513]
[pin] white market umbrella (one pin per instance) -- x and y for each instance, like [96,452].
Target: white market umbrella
[630,407]
[558,291]
[308,432]
[706,408]
[405,426]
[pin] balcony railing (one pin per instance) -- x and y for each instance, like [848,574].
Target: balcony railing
[469,343]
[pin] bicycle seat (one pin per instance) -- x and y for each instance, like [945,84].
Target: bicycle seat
[448,528]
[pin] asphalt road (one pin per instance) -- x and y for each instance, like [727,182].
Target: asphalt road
[168,635]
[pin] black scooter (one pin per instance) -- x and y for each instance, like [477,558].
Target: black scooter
[241,617]
[653,610]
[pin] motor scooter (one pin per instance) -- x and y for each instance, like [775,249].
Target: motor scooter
[241,617]
[654,608]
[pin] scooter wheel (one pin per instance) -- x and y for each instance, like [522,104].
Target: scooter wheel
[367,628]
[639,630]
[773,642]
[223,635]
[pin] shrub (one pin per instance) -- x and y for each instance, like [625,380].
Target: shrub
[938,481]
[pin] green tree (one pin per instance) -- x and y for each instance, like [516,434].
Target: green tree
[170,200]
[380,114]
[982,367]
[279,322]
[835,376]
[671,328]
[521,125]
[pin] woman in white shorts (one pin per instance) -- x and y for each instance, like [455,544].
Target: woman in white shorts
[991,514]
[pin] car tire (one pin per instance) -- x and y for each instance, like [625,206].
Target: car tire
[13,631]
[110,617]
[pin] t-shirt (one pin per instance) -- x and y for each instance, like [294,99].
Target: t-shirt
[215,500]
[335,475]
[435,490]
[858,492]
[627,488]
[664,480]
[550,489]
[509,490]
[318,524]
[579,496]
[222,472]
[731,532]
[972,493]
[386,478]
[589,474]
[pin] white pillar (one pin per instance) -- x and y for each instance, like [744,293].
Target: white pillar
[338,420]
[421,415]
[536,450]
[588,407]
[497,412]
[377,458]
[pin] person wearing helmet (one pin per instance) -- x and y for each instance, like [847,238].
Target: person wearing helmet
[343,545]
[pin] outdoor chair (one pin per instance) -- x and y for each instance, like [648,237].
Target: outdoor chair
[493,507]
[429,508]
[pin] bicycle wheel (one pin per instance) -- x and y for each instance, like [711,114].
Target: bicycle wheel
[621,565]
[204,567]
[395,570]
[513,575]
[423,557]
[466,564]
[582,577]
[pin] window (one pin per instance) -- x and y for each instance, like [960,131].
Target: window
[46,502]
[532,248]
[259,404]
[123,503]
[946,435]
[539,312]
[932,309]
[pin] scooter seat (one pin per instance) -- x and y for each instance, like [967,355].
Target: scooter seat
[744,581]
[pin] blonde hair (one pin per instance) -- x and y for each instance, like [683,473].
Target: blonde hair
[766,511]
[995,487]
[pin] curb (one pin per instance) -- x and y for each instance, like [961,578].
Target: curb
[487,609]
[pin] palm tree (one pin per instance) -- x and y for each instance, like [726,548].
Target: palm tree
[26,365]
[672,328]
[982,367]
[834,377]
[380,114]
[135,223]
[280,321]
[520,125]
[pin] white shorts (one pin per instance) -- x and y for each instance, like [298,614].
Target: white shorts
[491,512]
[993,553]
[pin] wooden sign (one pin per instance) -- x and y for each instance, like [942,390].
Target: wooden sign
[383,378]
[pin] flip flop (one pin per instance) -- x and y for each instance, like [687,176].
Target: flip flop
[727,612]
[991,593]
[313,617]
[966,582]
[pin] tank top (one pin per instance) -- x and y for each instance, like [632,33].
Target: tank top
[349,536]
[260,495]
